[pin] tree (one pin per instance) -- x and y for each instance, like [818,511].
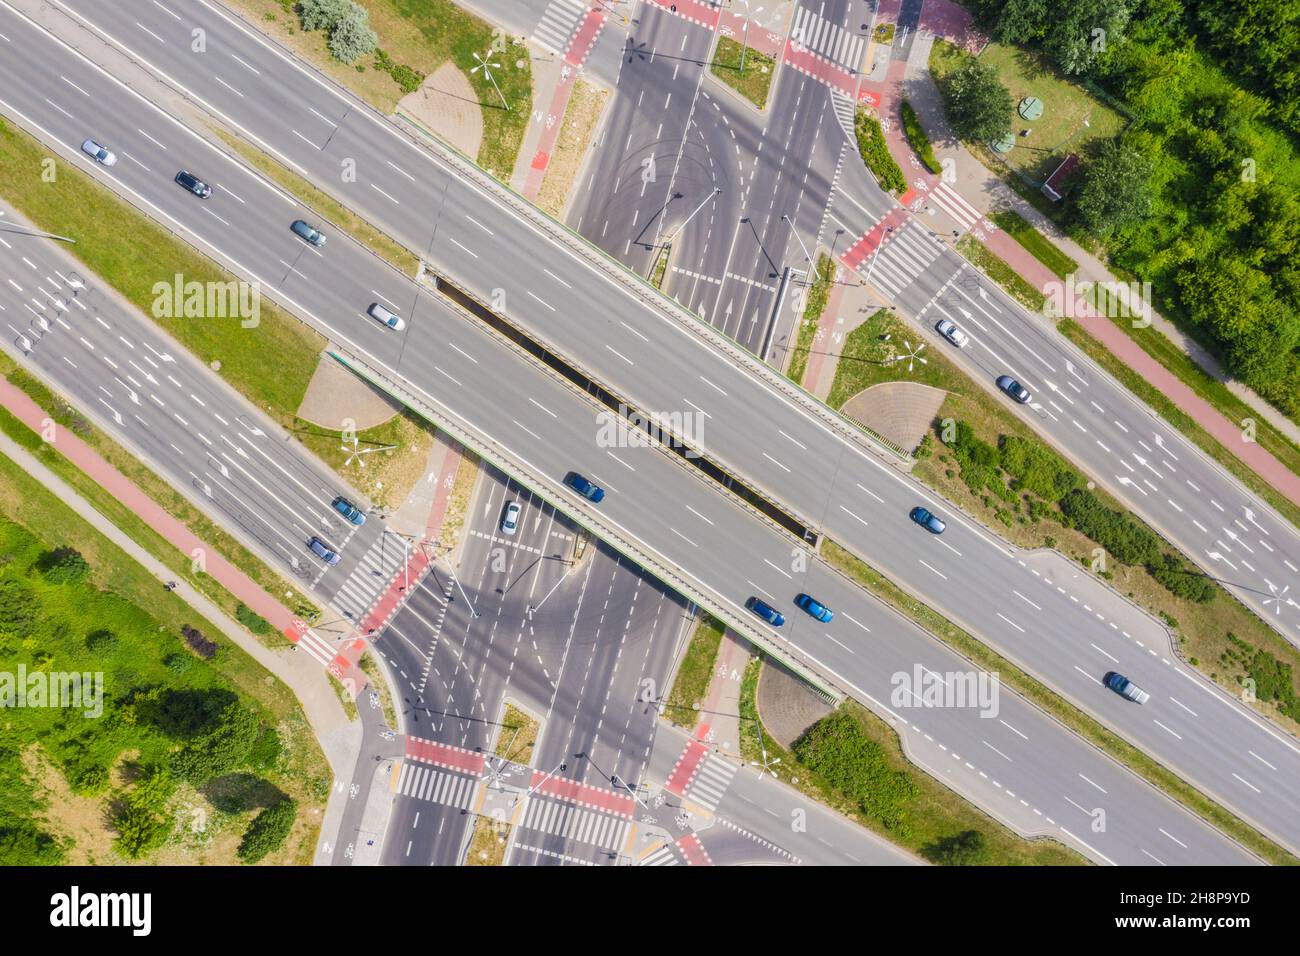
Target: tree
[142,820]
[268,831]
[63,565]
[1116,190]
[352,37]
[964,849]
[978,105]
[1080,32]
[322,14]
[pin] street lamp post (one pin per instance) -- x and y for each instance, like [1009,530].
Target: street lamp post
[872,264]
[716,190]
[744,46]
[807,254]
[487,68]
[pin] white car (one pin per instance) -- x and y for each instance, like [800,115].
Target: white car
[390,319]
[949,330]
[510,520]
[100,154]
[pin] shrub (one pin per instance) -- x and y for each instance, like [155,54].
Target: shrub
[252,620]
[142,821]
[201,645]
[838,749]
[322,14]
[1182,581]
[1128,542]
[63,566]
[875,152]
[405,77]
[224,748]
[352,37]
[101,642]
[919,141]
[268,831]
[964,849]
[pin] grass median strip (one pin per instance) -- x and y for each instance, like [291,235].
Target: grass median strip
[1037,244]
[917,139]
[391,251]
[819,293]
[1047,700]
[754,81]
[695,673]
[852,761]
[997,269]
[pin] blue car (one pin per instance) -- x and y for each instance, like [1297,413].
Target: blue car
[927,520]
[348,510]
[323,551]
[582,486]
[766,612]
[807,602]
[1014,389]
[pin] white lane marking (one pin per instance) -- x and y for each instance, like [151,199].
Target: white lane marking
[386,195]
[1261,760]
[247,66]
[620,355]
[453,345]
[620,461]
[775,462]
[1103,653]
[1025,599]
[228,86]
[852,515]
[794,440]
[74,86]
[1247,782]
[682,536]
[527,429]
[934,569]
[698,515]
[1086,780]
[1184,706]
[778,569]
[543,302]
[441,372]
[633,331]
[480,225]
[870,492]
[711,385]
[401,170]
[1166,728]
[1011,622]
[557,278]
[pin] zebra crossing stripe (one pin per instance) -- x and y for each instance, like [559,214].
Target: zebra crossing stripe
[575,823]
[827,40]
[947,199]
[663,856]
[558,22]
[435,786]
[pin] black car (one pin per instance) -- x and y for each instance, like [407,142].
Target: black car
[193,184]
[1014,389]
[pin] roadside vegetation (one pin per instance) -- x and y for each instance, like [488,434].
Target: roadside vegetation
[412,38]
[817,295]
[875,152]
[581,116]
[1198,196]
[996,268]
[917,139]
[195,739]
[488,842]
[385,461]
[754,81]
[174,503]
[371,667]
[695,673]
[853,762]
[991,465]
[1037,244]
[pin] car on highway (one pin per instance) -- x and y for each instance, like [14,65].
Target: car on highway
[927,519]
[1014,389]
[192,183]
[310,233]
[348,510]
[950,331]
[1125,687]
[100,154]
[766,612]
[510,518]
[808,603]
[323,551]
[584,487]
[390,319]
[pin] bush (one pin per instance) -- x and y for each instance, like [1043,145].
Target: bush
[101,643]
[252,620]
[875,152]
[837,749]
[405,77]
[268,831]
[352,37]
[201,645]
[322,14]
[964,849]
[142,821]
[1182,581]
[919,141]
[224,748]
[1035,468]
[1128,542]
[63,566]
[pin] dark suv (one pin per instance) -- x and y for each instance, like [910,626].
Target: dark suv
[193,184]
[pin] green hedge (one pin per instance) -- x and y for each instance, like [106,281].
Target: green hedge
[918,140]
[875,152]
[837,748]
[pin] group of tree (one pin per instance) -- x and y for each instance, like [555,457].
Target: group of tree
[1199,198]
[345,23]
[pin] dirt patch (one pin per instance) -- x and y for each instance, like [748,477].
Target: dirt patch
[580,119]
[335,394]
[81,822]
[900,411]
[448,105]
[787,704]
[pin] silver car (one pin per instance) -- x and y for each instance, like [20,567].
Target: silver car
[510,519]
[949,330]
[390,319]
[100,154]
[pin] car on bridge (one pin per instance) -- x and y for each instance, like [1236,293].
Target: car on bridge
[582,486]
[766,612]
[927,519]
[348,510]
[1125,687]
[809,604]
[323,551]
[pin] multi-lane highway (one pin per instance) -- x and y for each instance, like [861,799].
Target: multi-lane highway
[732,550]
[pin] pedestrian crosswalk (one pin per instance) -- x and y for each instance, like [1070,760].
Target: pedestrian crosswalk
[902,259]
[558,22]
[946,198]
[827,40]
[576,823]
[376,568]
[664,856]
[317,647]
[844,113]
[436,786]
[710,782]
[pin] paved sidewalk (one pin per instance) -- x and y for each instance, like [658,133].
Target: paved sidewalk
[719,724]
[979,191]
